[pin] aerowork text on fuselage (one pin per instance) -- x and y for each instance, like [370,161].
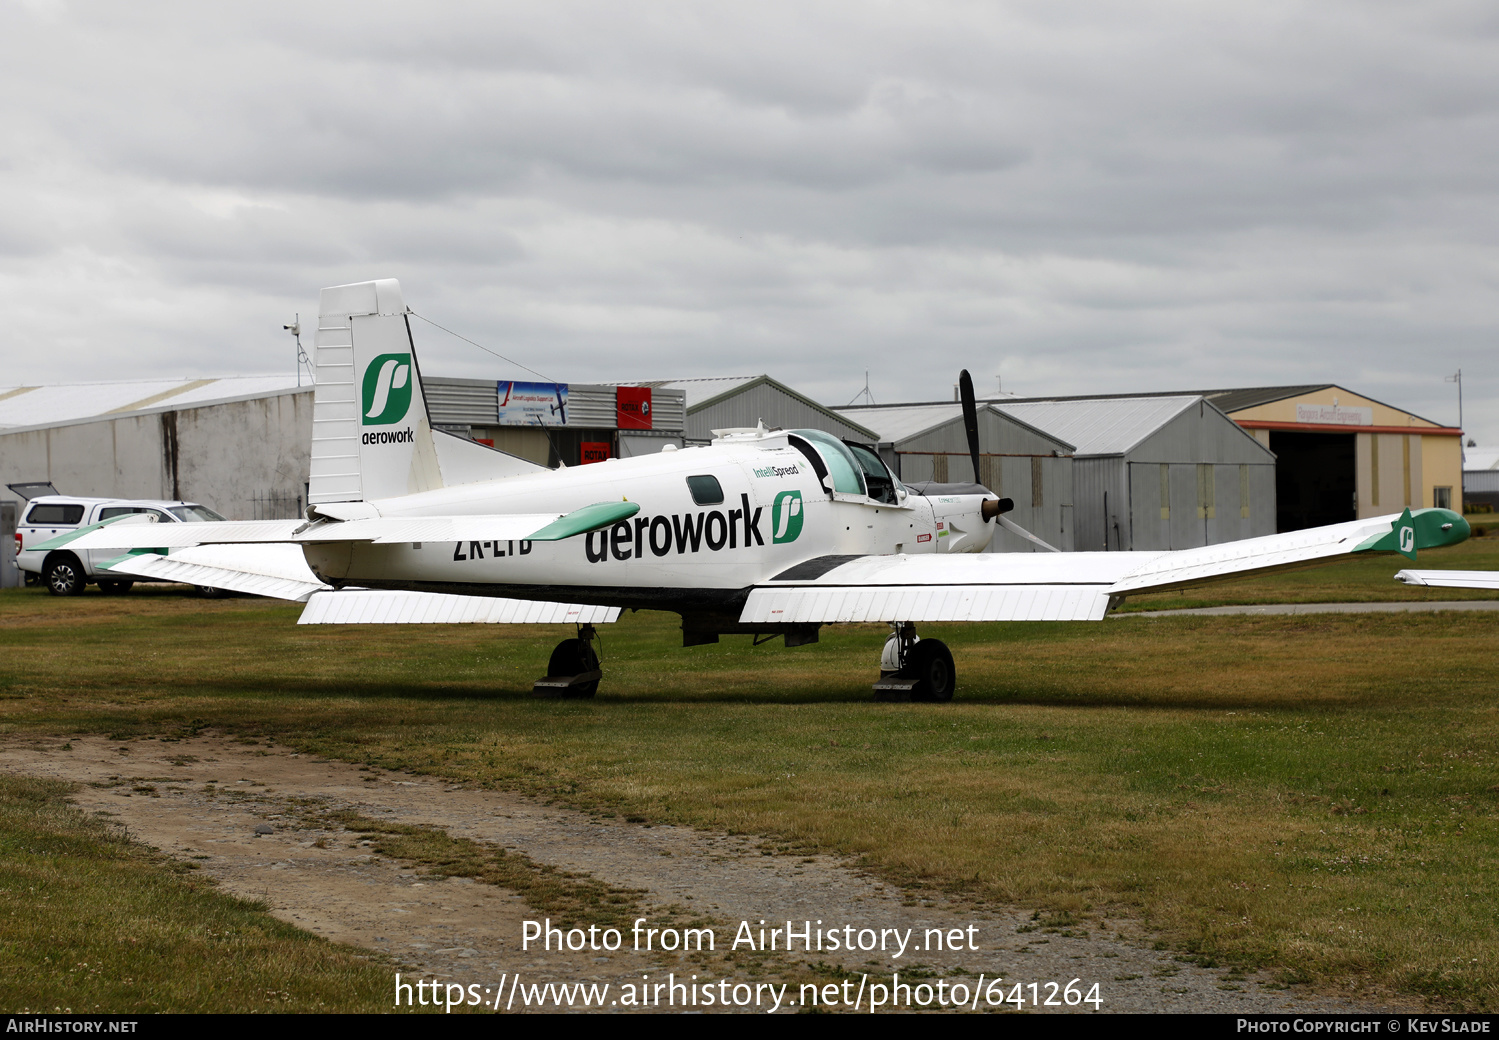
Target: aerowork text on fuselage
[712,530]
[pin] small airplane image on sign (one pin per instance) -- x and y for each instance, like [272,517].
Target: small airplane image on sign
[765,532]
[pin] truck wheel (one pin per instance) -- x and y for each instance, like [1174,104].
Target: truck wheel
[64,575]
[115,588]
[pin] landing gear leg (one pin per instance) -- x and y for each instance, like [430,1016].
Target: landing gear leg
[914,669]
[573,670]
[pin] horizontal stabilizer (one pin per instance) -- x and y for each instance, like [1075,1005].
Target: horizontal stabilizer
[179,536]
[276,570]
[1451,579]
[382,530]
[370,607]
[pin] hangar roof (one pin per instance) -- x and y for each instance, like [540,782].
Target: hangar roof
[1100,425]
[1481,458]
[69,402]
[899,422]
[707,391]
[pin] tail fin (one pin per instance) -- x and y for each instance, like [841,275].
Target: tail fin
[371,435]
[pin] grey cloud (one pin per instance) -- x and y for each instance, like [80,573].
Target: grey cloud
[1083,197]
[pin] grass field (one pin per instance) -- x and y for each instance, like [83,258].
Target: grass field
[92,922]
[1314,794]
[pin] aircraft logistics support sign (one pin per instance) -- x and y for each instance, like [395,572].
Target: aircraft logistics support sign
[532,404]
[632,407]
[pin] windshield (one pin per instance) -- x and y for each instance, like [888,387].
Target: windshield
[194,514]
[876,476]
[845,471]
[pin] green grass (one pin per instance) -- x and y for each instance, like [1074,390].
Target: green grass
[1315,794]
[92,922]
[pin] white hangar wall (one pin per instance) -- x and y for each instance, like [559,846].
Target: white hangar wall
[246,458]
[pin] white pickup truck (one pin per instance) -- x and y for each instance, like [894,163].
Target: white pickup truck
[67,572]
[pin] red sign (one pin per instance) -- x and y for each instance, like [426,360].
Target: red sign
[632,407]
[595,451]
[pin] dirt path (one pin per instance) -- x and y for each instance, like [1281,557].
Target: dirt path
[202,799]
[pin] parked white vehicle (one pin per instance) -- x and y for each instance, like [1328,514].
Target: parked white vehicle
[68,571]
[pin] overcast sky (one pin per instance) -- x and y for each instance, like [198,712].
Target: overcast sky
[1079,198]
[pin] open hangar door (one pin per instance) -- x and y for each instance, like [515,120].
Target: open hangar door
[1315,479]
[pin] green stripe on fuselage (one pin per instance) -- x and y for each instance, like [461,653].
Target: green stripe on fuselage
[581,521]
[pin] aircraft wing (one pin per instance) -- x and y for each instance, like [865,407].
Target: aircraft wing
[373,607]
[1061,586]
[277,569]
[1451,579]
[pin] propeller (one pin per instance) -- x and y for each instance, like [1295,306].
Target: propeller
[992,509]
[970,419]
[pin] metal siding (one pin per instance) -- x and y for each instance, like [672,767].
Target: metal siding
[591,406]
[1148,530]
[461,402]
[1201,434]
[1091,478]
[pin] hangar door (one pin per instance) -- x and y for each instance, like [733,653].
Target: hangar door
[1182,505]
[1315,480]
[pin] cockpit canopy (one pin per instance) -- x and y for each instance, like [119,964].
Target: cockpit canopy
[852,469]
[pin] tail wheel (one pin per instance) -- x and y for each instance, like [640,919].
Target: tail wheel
[115,588]
[930,662]
[574,657]
[64,575]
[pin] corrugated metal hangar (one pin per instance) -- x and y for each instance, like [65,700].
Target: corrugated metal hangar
[1343,456]
[1481,477]
[1167,472]
[1158,472]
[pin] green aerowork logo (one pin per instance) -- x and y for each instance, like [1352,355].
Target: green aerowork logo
[1405,531]
[786,517]
[387,389]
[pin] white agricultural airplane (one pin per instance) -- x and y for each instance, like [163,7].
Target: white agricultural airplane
[769,532]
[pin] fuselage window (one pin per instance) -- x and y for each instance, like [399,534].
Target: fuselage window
[878,479]
[705,490]
[839,461]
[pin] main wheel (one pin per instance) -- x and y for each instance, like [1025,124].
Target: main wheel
[115,588]
[209,592]
[574,657]
[64,575]
[930,662]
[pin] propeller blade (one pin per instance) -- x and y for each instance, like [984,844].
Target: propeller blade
[970,419]
[1014,528]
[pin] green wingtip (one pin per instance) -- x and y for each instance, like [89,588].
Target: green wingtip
[1422,529]
[581,521]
